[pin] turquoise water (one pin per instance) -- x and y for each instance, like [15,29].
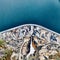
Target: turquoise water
[41,12]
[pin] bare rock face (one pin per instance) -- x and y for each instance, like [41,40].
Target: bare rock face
[31,42]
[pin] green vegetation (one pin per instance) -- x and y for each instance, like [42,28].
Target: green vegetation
[7,54]
[57,56]
[1,42]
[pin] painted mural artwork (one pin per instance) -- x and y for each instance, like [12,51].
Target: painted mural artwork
[29,42]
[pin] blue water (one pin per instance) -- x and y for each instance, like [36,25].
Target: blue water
[42,12]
